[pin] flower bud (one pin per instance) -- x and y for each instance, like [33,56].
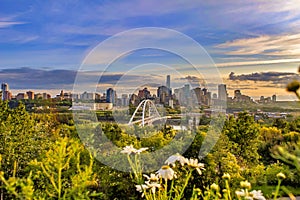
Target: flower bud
[293,86]
[245,184]
[226,176]
[281,176]
[214,187]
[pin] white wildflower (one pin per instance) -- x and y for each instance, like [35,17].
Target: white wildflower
[152,178]
[128,150]
[194,164]
[177,157]
[138,151]
[153,186]
[257,194]
[166,172]
[240,193]
[141,188]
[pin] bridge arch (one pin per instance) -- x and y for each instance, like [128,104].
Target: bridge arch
[149,111]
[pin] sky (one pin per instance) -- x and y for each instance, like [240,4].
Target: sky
[254,45]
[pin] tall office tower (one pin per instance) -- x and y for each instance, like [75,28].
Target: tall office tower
[274,98]
[144,94]
[208,96]
[125,100]
[204,90]
[4,87]
[164,94]
[6,95]
[30,94]
[168,83]
[222,92]
[199,94]
[111,96]
[186,90]
[88,96]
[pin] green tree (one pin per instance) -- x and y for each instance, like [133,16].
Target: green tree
[63,173]
[269,137]
[294,125]
[60,174]
[20,139]
[281,124]
[243,133]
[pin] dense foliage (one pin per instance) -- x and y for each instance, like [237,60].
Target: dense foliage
[43,158]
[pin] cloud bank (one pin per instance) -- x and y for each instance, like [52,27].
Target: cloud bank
[287,45]
[281,78]
[29,78]
[24,78]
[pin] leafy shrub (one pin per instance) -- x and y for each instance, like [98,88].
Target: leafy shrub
[273,169]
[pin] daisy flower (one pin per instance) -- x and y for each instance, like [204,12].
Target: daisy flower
[257,194]
[138,151]
[166,172]
[128,150]
[152,178]
[153,186]
[194,164]
[177,157]
[141,188]
[240,193]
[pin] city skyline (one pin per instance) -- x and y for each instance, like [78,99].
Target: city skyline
[42,45]
[111,95]
[247,82]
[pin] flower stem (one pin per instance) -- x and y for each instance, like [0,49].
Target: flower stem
[166,189]
[228,189]
[133,168]
[277,189]
[171,189]
[185,184]
[297,94]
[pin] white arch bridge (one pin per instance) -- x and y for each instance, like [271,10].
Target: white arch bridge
[145,114]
